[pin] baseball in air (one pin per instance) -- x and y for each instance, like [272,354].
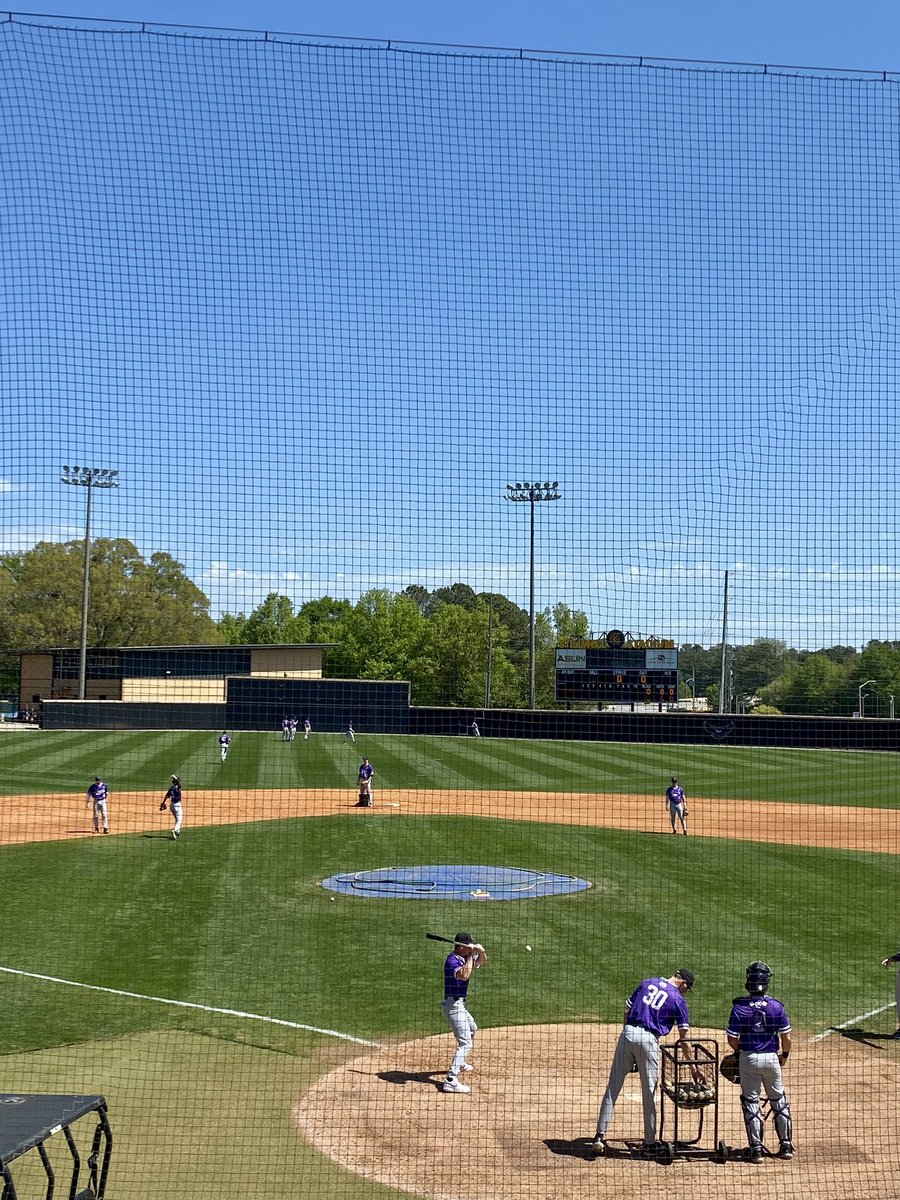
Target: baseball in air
[527,949]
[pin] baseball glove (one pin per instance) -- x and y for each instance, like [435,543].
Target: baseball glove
[729,1068]
[162,807]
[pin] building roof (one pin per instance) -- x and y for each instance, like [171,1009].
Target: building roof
[201,646]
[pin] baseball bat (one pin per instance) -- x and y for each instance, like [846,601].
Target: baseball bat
[436,937]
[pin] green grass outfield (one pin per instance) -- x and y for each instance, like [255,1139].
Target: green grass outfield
[233,917]
[67,761]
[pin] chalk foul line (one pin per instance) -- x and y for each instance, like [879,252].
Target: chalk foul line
[225,1012]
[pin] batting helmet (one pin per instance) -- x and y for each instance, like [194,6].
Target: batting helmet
[674,778]
[758,976]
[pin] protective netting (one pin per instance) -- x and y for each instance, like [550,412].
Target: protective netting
[294,319]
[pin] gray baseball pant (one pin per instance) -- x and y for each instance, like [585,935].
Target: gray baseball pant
[758,1071]
[464,1028]
[635,1045]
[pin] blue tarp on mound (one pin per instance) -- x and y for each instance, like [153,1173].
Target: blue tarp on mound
[442,882]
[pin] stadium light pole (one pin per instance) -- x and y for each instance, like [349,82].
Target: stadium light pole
[531,494]
[860,694]
[90,478]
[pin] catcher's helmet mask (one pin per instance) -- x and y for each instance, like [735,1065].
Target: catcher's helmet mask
[758,976]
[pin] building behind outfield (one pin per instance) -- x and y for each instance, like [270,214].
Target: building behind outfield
[205,687]
[163,674]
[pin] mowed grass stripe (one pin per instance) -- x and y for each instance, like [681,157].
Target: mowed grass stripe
[234,917]
[66,762]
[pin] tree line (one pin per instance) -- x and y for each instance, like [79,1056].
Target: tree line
[443,641]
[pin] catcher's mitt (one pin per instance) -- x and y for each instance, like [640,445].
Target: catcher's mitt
[162,807]
[730,1069]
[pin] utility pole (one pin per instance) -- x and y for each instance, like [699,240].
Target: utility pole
[531,493]
[90,478]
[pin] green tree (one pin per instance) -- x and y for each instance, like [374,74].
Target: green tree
[459,594]
[273,622]
[133,601]
[817,686]
[760,663]
[552,626]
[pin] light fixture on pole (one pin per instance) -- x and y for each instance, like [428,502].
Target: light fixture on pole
[859,693]
[531,493]
[90,478]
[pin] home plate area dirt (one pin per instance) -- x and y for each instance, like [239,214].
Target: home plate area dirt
[525,1130]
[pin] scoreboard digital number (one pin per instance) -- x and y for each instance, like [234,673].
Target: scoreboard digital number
[616,674]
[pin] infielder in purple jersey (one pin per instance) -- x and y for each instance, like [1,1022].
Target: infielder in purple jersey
[467,956]
[676,803]
[655,1005]
[756,1025]
[98,798]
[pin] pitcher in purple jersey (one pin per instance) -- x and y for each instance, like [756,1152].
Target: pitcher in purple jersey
[467,956]
[654,1006]
[755,1027]
[676,802]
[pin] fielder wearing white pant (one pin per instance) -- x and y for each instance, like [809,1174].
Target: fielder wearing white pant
[756,1025]
[654,1006]
[886,962]
[173,799]
[97,797]
[467,956]
[224,743]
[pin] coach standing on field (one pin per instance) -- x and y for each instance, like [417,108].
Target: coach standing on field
[655,1005]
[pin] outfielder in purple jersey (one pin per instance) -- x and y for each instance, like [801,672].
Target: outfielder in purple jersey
[676,802]
[756,1026]
[654,1006]
[467,956]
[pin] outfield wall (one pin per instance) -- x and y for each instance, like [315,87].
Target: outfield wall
[837,733]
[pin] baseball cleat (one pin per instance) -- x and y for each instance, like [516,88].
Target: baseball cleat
[453,1085]
[467,1067]
[756,1154]
[599,1146]
[896,1034]
[786,1151]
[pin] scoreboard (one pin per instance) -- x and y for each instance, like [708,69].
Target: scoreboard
[616,671]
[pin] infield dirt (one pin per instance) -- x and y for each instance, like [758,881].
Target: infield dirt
[44,818]
[525,1129]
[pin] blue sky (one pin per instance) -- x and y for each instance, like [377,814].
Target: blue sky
[320,303]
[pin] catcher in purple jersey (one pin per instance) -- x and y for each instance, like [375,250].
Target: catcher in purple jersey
[756,1026]
[676,803]
[655,1005]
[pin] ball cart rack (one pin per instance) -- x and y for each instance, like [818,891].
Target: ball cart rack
[690,1101]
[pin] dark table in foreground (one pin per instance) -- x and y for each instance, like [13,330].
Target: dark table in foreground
[28,1122]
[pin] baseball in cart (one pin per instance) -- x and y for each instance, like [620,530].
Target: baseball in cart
[689,1106]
